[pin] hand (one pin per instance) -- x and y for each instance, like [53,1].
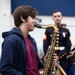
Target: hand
[72,53]
[55,58]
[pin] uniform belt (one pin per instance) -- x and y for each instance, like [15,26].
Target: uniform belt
[59,48]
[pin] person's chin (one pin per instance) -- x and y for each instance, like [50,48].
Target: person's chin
[32,29]
[57,23]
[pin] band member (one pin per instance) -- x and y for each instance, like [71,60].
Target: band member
[63,43]
[19,51]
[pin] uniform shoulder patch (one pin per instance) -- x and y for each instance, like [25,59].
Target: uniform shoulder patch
[70,38]
[44,37]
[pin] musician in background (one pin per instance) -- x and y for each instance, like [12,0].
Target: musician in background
[63,43]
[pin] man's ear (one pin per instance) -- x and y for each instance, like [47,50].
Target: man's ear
[22,19]
[62,17]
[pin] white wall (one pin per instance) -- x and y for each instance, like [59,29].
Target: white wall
[48,20]
[5,9]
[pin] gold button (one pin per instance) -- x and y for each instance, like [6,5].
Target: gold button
[57,34]
[65,53]
[57,38]
[60,56]
[57,44]
[57,41]
[50,35]
[57,48]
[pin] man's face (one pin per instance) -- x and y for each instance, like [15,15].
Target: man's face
[30,23]
[57,17]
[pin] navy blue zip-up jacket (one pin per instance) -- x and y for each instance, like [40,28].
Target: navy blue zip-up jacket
[13,58]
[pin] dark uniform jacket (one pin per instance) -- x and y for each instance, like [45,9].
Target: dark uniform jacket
[13,58]
[62,44]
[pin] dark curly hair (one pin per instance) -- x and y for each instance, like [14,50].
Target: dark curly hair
[23,11]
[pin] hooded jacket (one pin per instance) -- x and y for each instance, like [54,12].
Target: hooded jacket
[13,58]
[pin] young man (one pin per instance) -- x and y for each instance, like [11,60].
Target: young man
[62,45]
[19,50]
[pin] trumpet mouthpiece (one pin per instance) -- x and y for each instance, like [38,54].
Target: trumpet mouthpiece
[38,26]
